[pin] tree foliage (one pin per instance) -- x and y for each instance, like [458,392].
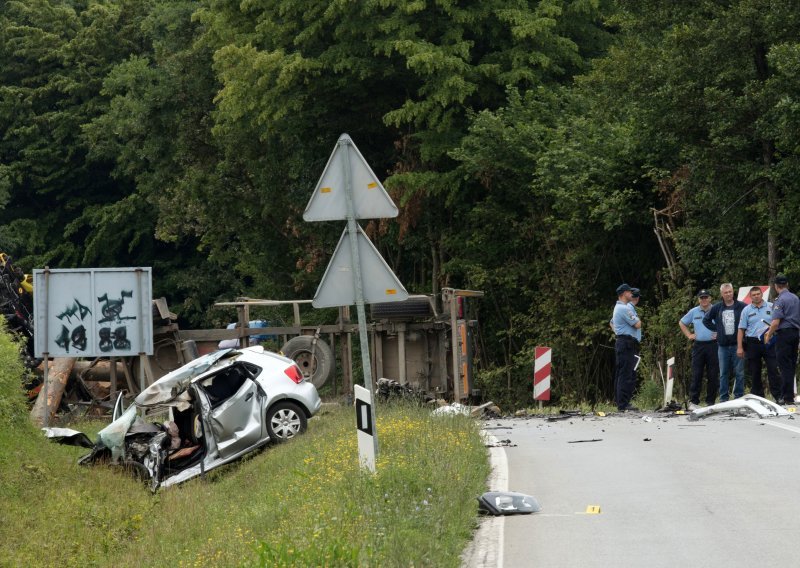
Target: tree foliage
[542,151]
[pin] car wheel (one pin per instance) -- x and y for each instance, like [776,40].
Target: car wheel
[318,367]
[136,470]
[285,420]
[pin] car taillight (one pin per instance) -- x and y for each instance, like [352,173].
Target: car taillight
[294,373]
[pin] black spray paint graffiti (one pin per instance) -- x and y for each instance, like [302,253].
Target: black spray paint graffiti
[112,312]
[77,337]
[113,308]
[120,337]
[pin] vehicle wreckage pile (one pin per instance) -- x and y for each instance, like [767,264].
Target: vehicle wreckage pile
[220,407]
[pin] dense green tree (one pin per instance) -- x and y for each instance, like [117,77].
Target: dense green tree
[55,56]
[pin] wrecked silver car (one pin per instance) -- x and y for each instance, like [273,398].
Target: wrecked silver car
[221,406]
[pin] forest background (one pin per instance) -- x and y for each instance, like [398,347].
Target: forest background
[540,151]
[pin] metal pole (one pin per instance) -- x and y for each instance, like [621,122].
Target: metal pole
[352,231]
[46,354]
[457,392]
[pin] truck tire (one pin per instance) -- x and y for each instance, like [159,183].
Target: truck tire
[317,368]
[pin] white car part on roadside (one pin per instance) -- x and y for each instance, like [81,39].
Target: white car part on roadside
[748,403]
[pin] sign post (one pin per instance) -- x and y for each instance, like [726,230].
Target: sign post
[541,374]
[349,190]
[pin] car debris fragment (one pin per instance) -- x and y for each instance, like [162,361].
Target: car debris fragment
[748,403]
[507,503]
[486,410]
[501,444]
[68,437]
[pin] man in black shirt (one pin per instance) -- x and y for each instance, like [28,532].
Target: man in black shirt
[723,317]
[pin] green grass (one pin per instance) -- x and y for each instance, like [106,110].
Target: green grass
[304,503]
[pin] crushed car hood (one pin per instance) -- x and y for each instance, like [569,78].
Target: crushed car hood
[169,387]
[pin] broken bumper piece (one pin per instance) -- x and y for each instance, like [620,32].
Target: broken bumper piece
[748,403]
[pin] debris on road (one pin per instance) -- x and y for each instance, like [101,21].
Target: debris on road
[501,444]
[582,441]
[507,503]
[740,406]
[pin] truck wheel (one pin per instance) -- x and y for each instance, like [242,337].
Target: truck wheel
[317,368]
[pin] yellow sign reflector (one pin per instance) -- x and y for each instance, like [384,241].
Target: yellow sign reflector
[324,189]
[593,510]
[372,185]
[391,292]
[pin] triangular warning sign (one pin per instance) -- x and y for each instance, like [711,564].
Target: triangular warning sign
[378,282]
[329,200]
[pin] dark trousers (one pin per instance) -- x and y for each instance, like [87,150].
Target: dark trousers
[754,352]
[786,352]
[704,359]
[625,378]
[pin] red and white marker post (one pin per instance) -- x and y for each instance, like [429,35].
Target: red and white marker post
[541,374]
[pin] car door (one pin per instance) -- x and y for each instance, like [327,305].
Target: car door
[236,420]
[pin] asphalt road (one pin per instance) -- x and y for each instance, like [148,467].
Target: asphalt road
[717,492]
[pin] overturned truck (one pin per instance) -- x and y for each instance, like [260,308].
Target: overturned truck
[429,343]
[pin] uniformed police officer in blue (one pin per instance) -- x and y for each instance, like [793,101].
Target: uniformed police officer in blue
[627,327]
[785,325]
[753,324]
[704,351]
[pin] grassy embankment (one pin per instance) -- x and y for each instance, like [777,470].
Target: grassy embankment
[305,503]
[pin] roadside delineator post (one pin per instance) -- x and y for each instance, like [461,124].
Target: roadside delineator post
[670,381]
[541,374]
[365,427]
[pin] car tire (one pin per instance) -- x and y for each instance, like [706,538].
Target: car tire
[285,420]
[136,470]
[317,368]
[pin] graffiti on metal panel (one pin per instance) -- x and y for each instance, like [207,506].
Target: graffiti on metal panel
[113,308]
[112,312]
[75,335]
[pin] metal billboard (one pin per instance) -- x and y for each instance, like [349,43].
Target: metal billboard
[93,312]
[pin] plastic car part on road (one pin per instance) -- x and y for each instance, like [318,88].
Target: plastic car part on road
[748,403]
[507,503]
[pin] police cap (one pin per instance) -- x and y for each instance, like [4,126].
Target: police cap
[623,288]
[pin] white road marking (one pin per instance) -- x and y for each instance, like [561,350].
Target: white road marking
[486,548]
[794,429]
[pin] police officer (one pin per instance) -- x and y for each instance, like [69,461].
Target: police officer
[784,326]
[627,327]
[755,321]
[704,351]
